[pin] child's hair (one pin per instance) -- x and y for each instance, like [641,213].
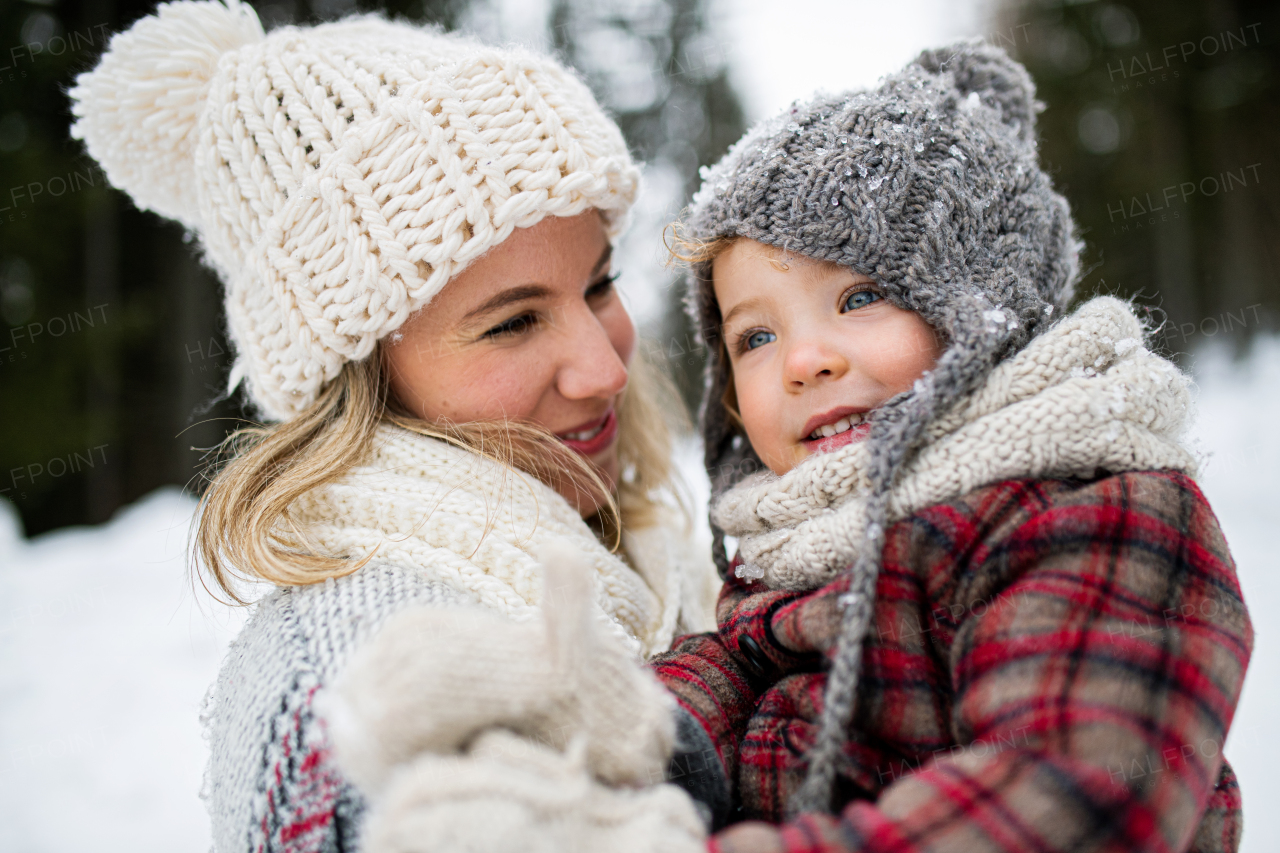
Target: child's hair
[690,251]
[898,183]
[244,528]
[687,250]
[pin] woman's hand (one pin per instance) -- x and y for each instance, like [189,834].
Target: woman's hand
[435,678]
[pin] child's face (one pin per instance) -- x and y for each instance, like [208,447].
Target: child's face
[813,347]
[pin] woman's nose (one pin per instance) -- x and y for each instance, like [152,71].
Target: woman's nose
[811,362]
[593,367]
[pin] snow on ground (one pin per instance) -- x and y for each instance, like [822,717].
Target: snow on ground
[105,654]
[1239,407]
[106,650]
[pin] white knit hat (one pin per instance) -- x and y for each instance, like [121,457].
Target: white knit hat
[339,175]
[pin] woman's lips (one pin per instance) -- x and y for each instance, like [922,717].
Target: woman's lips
[827,443]
[601,432]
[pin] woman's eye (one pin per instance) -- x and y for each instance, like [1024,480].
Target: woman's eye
[860,299]
[515,326]
[602,287]
[758,339]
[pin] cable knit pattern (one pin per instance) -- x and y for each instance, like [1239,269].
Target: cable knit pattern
[930,184]
[540,735]
[1084,396]
[339,175]
[449,528]
[552,679]
[476,526]
[271,782]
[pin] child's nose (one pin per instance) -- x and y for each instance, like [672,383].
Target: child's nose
[811,363]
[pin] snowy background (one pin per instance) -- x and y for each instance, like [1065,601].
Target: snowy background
[106,648]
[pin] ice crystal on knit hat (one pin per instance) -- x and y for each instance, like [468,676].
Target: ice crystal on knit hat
[964,229]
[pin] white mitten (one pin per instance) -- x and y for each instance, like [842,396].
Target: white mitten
[435,677]
[511,794]
[617,705]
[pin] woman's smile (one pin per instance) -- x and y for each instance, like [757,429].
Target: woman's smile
[594,436]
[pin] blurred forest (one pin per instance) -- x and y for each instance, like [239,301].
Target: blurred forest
[1162,128]
[113,356]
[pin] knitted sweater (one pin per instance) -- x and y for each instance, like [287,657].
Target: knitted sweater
[449,528]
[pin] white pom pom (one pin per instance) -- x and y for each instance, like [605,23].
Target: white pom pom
[138,111]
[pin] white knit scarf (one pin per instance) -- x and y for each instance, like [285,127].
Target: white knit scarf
[475,525]
[1083,396]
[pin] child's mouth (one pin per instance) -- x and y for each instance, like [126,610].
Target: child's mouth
[848,428]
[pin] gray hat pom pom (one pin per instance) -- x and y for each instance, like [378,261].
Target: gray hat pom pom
[987,71]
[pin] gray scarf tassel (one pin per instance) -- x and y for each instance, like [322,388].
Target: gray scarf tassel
[898,430]
[898,184]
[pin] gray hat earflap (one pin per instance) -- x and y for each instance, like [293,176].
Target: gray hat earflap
[930,184]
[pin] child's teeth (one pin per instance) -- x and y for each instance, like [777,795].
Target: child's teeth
[842,425]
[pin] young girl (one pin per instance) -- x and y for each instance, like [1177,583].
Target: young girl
[978,602]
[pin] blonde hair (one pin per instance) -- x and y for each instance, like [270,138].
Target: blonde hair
[689,251]
[244,528]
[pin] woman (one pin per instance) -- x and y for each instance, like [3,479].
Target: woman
[414,234]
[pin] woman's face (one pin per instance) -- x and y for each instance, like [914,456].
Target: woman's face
[531,331]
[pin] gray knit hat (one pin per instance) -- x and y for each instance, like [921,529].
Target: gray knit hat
[929,184]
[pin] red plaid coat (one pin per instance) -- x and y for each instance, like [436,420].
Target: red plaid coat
[1054,666]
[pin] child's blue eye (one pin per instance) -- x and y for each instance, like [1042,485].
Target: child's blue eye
[860,299]
[759,339]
